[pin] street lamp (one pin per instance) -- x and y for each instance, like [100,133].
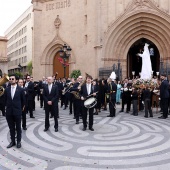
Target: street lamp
[20,67]
[65,53]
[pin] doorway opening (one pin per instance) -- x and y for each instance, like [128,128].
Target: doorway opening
[134,62]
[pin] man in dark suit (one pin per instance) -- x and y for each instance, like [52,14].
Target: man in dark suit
[124,91]
[86,90]
[50,95]
[14,100]
[164,96]
[29,86]
[24,126]
[41,86]
[112,89]
[76,100]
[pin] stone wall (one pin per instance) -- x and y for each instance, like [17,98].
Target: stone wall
[99,31]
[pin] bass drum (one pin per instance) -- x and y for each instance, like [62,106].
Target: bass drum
[91,102]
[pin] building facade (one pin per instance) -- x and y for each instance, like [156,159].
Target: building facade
[100,33]
[3,56]
[19,46]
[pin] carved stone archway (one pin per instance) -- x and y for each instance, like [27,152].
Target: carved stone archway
[142,19]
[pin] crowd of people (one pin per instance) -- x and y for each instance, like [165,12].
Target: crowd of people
[72,94]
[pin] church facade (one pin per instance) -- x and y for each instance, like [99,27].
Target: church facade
[100,33]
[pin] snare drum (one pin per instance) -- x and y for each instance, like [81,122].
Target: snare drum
[91,102]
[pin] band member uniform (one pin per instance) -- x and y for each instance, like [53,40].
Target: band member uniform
[15,101]
[86,90]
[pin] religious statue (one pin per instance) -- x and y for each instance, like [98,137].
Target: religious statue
[146,72]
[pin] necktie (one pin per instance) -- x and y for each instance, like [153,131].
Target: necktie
[12,92]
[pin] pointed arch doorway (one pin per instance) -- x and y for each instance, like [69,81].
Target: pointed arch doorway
[134,62]
[58,67]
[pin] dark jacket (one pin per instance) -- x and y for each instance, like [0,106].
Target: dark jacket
[84,90]
[146,94]
[14,106]
[112,89]
[53,96]
[164,89]
[30,91]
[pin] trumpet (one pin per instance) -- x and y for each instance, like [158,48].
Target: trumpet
[3,80]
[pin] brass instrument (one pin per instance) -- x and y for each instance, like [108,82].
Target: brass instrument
[77,93]
[66,89]
[3,80]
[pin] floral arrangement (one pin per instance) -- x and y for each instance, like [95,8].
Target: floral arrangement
[140,83]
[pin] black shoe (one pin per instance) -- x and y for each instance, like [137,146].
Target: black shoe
[121,111]
[146,116]
[11,145]
[77,122]
[32,117]
[70,113]
[162,117]
[84,129]
[41,107]
[45,129]
[91,129]
[24,128]
[74,117]
[18,144]
[51,116]
[109,116]
[96,113]
[151,116]
[64,108]
[56,130]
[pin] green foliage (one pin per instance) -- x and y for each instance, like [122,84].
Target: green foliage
[29,67]
[18,74]
[75,74]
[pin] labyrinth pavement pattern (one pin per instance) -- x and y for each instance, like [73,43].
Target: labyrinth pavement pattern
[125,142]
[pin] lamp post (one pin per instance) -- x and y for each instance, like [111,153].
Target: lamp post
[20,67]
[65,53]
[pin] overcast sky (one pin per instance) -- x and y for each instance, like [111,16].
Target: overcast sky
[10,10]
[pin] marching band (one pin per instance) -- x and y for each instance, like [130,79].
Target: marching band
[88,97]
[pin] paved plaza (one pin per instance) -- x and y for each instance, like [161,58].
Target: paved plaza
[125,142]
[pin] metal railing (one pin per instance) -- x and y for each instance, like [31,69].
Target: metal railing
[105,72]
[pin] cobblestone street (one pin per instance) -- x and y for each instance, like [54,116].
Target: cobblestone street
[124,143]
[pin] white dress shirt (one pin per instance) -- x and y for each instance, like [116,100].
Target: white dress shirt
[88,88]
[13,89]
[49,87]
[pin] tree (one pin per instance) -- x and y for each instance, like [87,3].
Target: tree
[29,67]
[75,74]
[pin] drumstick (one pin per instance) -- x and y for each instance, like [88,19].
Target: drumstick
[91,94]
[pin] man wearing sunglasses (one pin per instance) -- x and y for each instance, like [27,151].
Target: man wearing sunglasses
[14,101]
